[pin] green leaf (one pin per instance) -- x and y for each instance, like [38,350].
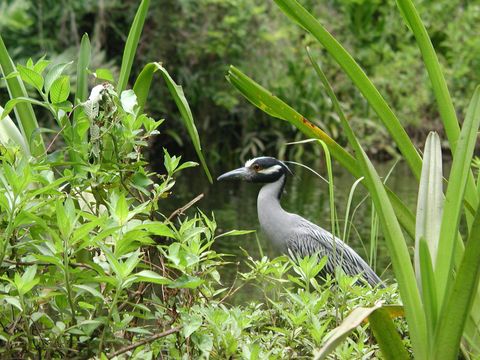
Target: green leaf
[459,301]
[191,323]
[54,73]
[187,282]
[121,209]
[27,281]
[427,282]
[31,77]
[90,290]
[14,103]
[131,45]
[60,89]
[14,302]
[104,74]
[439,86]
[128,100]
[387,336]
[235,233]
[142,88]
[152,277]
[452,210]
[179,97]
[158,228]
[40,65]
[81,93]
[395,240]
[142,84]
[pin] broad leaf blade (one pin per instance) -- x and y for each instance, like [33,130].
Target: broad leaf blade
[393,234]
[179,97]
[430,200]
[459,301]
[452,210]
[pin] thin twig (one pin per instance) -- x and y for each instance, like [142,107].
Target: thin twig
[145,341]
[181,210]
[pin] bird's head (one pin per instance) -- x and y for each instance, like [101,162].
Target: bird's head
[258,170]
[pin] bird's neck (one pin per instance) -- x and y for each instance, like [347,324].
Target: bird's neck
[271,215]
[272,192]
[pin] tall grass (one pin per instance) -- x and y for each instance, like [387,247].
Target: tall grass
[438,306]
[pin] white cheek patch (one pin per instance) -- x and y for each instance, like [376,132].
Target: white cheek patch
[271,170]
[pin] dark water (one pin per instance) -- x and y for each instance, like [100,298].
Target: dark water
[234,206]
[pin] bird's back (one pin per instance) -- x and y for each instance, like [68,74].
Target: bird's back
[307,238]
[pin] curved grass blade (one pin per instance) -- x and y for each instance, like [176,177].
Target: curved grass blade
[427,281]
[301,16]
[26,119]
[142,85]
[387,335]
[459,301]
[142,88]
[275,107]
[81,93]
[452,210]
[131,45]
[440,89]
[393,234]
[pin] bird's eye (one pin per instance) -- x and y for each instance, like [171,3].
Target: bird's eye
[256,167]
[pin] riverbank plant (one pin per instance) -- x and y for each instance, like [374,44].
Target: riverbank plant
[440,291]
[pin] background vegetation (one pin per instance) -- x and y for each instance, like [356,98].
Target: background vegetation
[198,39]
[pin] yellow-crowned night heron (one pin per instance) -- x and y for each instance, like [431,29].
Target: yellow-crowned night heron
[291,233]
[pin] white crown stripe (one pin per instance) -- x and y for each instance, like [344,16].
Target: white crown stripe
[251,161]
[271,170]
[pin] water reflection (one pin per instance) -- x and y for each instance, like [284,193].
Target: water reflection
[234,206]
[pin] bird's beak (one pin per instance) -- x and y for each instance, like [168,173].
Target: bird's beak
[242,173]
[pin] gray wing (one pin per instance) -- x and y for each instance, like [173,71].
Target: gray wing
[309,239]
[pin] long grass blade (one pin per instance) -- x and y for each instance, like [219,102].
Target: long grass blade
[393,234]
[131,45]
[440,89]
[306,20]
[454,197]
[459,301]
[142,88]
[84,56]
[26,119]
[427,283]
[387,336]
[142,84]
